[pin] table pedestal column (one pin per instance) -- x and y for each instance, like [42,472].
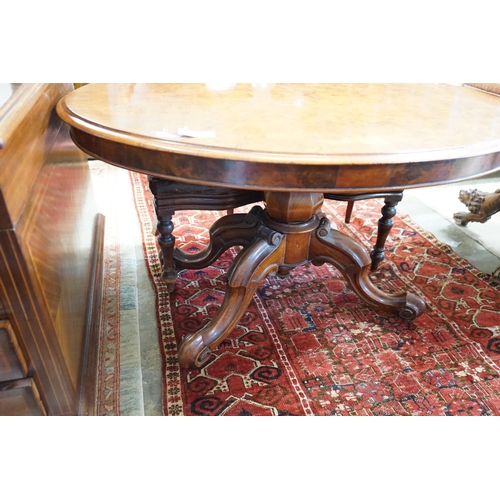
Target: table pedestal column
[289,233]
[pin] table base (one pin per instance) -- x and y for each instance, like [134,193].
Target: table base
[289,233]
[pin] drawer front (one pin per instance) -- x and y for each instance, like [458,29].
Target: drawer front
[12,363]
[20,398]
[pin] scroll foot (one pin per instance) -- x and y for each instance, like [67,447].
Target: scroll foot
[353,261]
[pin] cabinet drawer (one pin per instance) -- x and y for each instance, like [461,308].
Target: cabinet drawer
[12,363]
[20,398]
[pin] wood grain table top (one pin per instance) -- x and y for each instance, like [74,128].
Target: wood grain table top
[304,126]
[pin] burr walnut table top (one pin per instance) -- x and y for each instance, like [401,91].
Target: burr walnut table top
[310,137]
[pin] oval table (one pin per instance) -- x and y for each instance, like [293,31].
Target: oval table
[294,142]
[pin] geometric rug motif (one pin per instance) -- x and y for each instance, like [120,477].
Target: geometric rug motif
[308,346]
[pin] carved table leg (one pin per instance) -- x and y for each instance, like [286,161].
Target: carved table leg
[353,261]
[232,230]
[226,232]
[250,267]
[166,241]
[385,224]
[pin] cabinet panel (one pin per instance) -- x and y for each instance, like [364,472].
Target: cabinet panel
[51,239]
[12,363]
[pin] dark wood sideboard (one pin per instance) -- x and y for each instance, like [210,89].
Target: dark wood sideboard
[51,241]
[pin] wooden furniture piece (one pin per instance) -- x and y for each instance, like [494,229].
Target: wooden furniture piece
[50,259]
[385,222]
[481,205]
[293,142]
[171,196]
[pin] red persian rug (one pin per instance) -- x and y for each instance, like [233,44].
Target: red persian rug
[308,346]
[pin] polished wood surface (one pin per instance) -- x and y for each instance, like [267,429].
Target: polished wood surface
[21,398]
[323,137]
[170,197]
[48,246]
[492,88]
[293,142]
[12,362]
